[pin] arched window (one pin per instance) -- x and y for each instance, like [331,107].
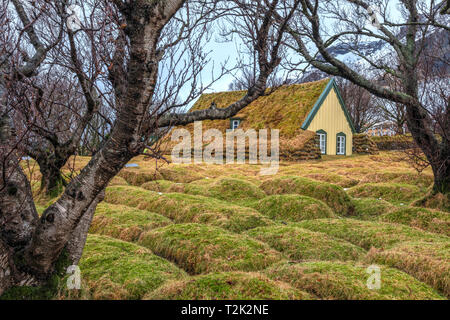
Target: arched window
[341,144]
[322,141]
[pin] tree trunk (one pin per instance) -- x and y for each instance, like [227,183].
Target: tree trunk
[52,181]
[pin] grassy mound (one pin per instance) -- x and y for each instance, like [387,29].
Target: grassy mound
[334,196]
[368,234]
[158,185]
[392,192]
[333,178]
[301,244]
[125,223]
[180,174]
[120,270]
[183,208]
[228,286]
[135,177]
[437,201]
[293,208]
[371,209]
[346,281]
[426,261]
[235,190]
[412,178]
[429,220]
[204,249]
[118,181]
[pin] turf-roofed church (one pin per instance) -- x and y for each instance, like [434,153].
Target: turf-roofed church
[312,118]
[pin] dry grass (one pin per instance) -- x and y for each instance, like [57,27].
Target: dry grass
[348,281]
[228,286]
[301,245]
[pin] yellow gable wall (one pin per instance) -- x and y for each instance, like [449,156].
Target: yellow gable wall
[331,118]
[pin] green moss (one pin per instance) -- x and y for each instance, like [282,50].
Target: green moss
[293,208]
[48,291]
[204,249]
[301,244]
[334,196]
[125,223]
[228,286]
[183,208]
[426,261]
[368,234]
[426,219]
[371,209]
[120,270]
[392,192]
[347,281]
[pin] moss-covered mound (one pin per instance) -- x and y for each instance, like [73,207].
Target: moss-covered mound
[292,207]
[125,223]
[136,177]
[228,286]
[183,208]
[120,270]
[426,261]
[300,244]
[368,234]
[437,201]
[347,281]
[235,190]
[180,173]
[426,219]
[423,180]
[203,249]
[333,178]
[159,185]
[371,209]
[393,192]
[118,181]
[334,196]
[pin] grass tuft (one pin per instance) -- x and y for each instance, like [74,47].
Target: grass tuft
[334,196]
[300,244]
[347,281]
[293,208]
[228,286]
[120,270]
[203,249]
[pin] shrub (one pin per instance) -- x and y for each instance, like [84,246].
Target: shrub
[426,261]
[203,249]
[371,209]
[183,208]
[429,220]
[301,244]
[228,286]
[293,208]
[120,270]
[347,281]
[125,223]
[334,196]
[368,234]
[392,192]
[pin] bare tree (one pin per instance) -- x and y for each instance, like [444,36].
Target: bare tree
[130,59]
[361,105]
[322,24]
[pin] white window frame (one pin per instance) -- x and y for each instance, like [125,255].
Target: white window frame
[235,124]
[323,143]
[341,143]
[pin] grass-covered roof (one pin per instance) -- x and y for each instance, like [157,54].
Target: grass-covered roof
[285,109]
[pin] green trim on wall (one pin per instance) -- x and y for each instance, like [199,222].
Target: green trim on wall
[341,134]
[326,139]
[331,85]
